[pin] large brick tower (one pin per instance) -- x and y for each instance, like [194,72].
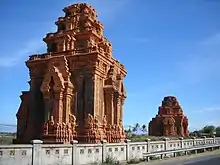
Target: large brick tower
[76,88]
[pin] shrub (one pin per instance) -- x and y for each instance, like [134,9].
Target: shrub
[134,161]
[110,161]
[154,157]
[179,154]
[166,157]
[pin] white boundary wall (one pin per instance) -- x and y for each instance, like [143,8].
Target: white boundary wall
[79,154]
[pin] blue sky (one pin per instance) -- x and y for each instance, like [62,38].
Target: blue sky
[168,48]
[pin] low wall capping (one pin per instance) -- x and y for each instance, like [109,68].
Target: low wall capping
[127,140]
[76,153]
[36,141]
[148,140]
[104,141]
[74,142]
[166,139]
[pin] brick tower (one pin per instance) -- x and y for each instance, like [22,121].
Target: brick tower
[170,120]
[76,88]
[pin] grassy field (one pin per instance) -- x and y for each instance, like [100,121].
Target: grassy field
[143,137]
[7,138]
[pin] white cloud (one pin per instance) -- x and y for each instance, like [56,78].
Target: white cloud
[14,58]
[29,48]
[212,40]
[211,109]
[203,64]
[197,69]
[213,122]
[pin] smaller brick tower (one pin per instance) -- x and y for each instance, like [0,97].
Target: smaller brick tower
[170,120]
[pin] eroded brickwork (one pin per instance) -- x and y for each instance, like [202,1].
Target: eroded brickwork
[170,120]
[76,88]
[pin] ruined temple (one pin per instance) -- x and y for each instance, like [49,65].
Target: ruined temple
[170,120]
[76,87]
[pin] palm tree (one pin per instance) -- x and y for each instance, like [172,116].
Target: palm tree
[130,127]
[144,128]
[136,127]
[129,130]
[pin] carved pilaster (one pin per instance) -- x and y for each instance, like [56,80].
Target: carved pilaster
[90,94]
[109,107]
[80,102]
[67,98]
[98,97]
[58,108]
[181,130]
[120,108]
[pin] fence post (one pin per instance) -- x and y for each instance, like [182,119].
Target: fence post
[36,152]
[217,140]
[194,141]
[104,150]
[127,141]
[166,147]
[181,140]
[74,152]
[204,140]
[214,139]
[148,144]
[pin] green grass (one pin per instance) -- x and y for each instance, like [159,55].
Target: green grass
[7,138]
[108,161]
[134,161]
[143,137]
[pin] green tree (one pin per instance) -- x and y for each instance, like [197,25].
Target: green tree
[209,129]
[129,130]
[217,130]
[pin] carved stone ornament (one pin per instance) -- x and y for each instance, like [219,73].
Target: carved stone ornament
[55,73]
